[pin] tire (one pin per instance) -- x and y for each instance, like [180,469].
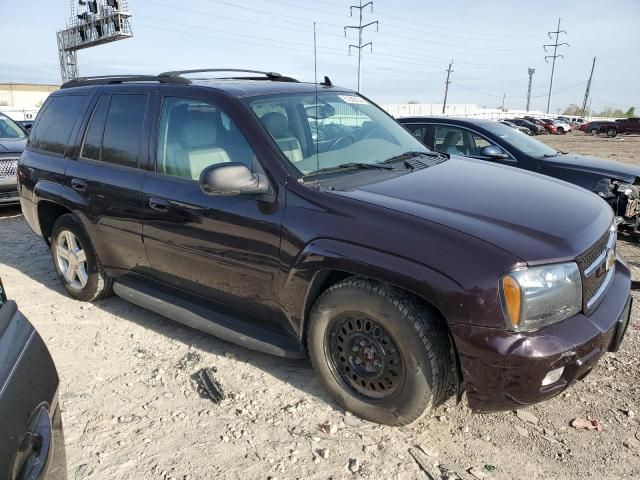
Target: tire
[81,273]
[405,337]
[611,132]
[560,131]
[595,132]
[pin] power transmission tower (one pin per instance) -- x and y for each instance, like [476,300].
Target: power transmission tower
[360,27]
[586,92]
[555,55]
[531,72]
[446,86]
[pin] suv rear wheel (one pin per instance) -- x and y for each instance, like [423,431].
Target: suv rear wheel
[76,262]
[379,352]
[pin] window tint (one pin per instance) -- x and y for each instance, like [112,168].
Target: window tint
[418,131]
[195,134]
[55,122]
[93,137]
[123,128]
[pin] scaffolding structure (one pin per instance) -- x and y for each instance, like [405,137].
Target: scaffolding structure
[91,23]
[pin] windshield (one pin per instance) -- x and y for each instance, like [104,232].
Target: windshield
[519,140]
[10,129]
[331,130]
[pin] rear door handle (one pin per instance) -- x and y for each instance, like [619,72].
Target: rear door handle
[79,185]
[159,204]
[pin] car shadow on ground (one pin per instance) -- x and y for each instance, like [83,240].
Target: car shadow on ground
[25,252]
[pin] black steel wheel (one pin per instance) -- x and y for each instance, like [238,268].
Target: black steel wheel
[364,356]
[380,352]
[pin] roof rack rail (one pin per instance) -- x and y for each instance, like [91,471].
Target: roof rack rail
[273,76]
[114,79]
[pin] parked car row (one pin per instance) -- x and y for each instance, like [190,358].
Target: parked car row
[299,219]
[12,142]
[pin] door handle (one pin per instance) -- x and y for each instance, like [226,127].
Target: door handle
[78,185]
[159,204]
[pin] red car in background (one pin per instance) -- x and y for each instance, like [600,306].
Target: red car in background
[547,124]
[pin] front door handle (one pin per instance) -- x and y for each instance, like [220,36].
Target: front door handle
[159,204]
[78,185]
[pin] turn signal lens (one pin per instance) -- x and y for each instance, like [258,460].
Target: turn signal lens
[512,299]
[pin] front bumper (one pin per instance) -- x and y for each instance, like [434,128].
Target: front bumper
[503,370]
[9,191]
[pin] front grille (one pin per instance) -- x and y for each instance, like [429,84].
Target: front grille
[593,268]
[8,167]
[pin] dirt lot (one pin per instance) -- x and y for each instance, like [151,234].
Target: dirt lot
[130,410]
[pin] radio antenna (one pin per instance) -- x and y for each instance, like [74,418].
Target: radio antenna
[315,82]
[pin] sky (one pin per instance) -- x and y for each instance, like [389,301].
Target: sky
[492,44]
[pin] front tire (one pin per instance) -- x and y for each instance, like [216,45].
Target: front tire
[76,262]
[612,132]
[379,352]
[594,132]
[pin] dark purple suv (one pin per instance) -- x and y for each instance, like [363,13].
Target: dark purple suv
[301,219]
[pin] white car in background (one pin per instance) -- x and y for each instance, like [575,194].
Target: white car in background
[561,124]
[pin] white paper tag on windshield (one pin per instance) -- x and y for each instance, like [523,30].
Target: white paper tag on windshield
[353,99]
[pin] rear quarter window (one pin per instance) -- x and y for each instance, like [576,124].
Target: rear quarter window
[55,123]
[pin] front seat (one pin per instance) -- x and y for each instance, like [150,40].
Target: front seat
[278,126]
[198,149]
[450,143]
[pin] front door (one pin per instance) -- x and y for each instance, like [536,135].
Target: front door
[224,248]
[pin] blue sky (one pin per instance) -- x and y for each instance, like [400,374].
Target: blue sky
[492,43]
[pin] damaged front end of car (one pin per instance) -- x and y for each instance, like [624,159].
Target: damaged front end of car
[624,199]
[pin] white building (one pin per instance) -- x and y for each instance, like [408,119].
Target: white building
[21,101]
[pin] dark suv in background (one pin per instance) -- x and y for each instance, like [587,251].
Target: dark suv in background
[12,142]
[297,218]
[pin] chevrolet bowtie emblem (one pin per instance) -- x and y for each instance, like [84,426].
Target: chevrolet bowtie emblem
[611,260]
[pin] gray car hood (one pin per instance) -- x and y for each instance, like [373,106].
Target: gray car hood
[12,146]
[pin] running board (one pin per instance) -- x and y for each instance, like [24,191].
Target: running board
[223,323]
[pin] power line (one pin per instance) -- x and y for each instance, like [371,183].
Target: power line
[360,27]
[555,55]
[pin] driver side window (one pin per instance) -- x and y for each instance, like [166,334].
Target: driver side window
[195,134]
[451,140]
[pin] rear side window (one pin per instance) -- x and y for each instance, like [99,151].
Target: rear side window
[93,138]
[123,129]
[55,123]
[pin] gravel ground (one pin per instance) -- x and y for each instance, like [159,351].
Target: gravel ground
[130,409]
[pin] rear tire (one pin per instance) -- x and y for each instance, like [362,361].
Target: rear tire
[594,132]
[612,132]
[560,131]
[379,352]
[76,262]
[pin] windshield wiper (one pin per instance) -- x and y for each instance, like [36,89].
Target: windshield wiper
[412,154]
[354,166]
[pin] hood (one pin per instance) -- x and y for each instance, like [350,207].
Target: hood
[537,218]
[12,146]
[609,168]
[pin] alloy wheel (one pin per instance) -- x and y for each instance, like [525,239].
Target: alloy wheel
[72,260]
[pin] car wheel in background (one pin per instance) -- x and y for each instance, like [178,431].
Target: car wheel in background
[612,132]
[381,353]
[76,262]
[594,131]
[560,131]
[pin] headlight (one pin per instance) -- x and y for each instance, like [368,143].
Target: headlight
[535,297]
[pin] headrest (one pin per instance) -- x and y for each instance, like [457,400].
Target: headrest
[452,138]
[198,131]
[277,124]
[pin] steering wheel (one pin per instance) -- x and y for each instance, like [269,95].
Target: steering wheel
[343,141]
[370,133]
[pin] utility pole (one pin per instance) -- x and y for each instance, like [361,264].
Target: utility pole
[586,92]
[555,55]
[531,72]
[360,27]
[504,96]
[446,86]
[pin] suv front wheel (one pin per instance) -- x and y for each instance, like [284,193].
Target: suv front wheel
[76,262]
[380,353]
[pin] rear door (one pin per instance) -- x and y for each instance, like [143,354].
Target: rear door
[107,177]
[224,248]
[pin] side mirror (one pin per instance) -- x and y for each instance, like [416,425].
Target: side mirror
[491,151]
[232,178]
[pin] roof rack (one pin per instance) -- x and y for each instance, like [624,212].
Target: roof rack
[114,79]
[273,76]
